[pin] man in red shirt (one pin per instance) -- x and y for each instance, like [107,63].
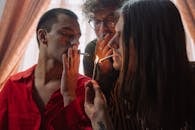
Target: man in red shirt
[33,99]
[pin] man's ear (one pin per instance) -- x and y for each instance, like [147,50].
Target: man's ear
[42,36]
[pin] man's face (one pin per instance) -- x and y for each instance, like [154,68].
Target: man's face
[64,33]
[104,22]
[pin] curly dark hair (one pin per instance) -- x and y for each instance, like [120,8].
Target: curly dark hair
[91,6]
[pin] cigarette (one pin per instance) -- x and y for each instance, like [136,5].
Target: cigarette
[84,54]
[105,58]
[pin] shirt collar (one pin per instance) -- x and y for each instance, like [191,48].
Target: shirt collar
[24,74]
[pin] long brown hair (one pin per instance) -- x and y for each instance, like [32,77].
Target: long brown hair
[155,88]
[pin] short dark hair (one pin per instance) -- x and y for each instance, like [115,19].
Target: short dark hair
[92,6]
[51,16]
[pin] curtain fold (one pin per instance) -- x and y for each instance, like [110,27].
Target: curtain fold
[16,27]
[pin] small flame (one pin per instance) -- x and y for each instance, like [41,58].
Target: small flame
[96,59]
[94,67]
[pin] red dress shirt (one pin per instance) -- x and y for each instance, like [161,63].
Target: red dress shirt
[19,111]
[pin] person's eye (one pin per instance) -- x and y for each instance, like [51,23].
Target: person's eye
[70,36]
[66,34]
[63,33]
[110,18]
[97,21]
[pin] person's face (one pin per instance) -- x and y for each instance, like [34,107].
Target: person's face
[64,34]
[103,22]
[116,44]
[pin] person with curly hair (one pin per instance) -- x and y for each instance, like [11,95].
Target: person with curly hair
[102,18]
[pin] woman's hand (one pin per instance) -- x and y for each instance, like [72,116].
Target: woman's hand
[69,75]
[96,107]
[95,102]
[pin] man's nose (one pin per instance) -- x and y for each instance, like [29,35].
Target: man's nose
[103,27]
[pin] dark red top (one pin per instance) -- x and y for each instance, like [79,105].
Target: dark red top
[19,111]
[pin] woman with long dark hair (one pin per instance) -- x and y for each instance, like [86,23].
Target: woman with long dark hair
[155,87]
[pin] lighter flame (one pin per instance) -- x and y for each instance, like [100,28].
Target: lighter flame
[96,59]
[94,67]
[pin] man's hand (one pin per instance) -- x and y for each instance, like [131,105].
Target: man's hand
[69,75]
[102,50]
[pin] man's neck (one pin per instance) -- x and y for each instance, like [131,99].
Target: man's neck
[53,70]
[48,71]
[47,79]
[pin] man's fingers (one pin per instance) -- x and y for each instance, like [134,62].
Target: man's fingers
[64,61]
[76,57]
[73,58]
[63,80]
[103,42]
[106,39]
[106,49]
[69,58]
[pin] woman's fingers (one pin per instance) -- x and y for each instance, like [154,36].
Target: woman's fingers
[93,93]
[89,93]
